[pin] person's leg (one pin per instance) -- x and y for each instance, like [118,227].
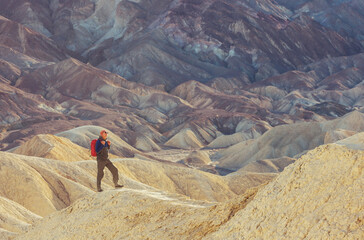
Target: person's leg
[100,173]
[114,171]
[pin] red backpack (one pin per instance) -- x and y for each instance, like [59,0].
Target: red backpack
[93,148]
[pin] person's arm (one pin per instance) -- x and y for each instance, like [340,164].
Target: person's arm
[98,146]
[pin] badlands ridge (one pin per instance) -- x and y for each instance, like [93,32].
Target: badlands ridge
[47,189]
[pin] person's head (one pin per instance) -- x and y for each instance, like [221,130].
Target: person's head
[103,134]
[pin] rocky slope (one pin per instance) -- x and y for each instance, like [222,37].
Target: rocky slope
[338,15]
[52,147]
[14,218]
[318,196]
[290,140]
[27,42]
[266,64]
[154,43]
[185,219]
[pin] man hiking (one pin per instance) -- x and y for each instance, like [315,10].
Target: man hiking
[102,149]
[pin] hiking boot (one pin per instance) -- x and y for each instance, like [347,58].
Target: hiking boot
[119,186]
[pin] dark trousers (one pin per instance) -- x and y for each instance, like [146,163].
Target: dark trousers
[100,171]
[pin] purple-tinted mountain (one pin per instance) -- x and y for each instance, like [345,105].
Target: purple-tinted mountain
[159,73]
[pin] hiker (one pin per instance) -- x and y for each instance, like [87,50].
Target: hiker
[102,149]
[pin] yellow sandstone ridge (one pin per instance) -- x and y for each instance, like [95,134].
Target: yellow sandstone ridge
[318,196]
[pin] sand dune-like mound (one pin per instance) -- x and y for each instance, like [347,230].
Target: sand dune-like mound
[337,135]
[239,182]
[227,140]
[274,165]
[317,197]
[44,186]
[256,173]
[289,140]
[37,184]
[185,139]
[197,158]
[14,218]
[83,136]
[131,214]
[146,144]
[53,147]
[354,142]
